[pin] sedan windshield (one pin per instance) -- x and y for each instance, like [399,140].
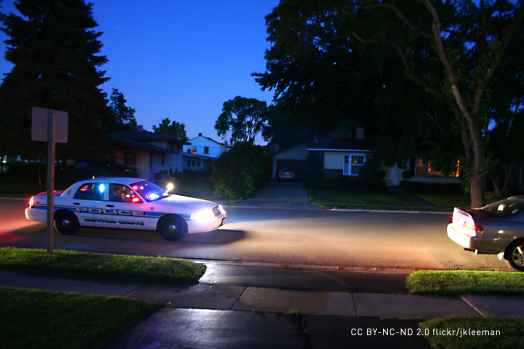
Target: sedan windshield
[506,207]
[149,191]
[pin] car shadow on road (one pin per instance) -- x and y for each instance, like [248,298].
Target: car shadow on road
[216,237]
[36,236]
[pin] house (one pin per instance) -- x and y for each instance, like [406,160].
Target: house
[327,158]
[200,152]
[346,156]
[147,153]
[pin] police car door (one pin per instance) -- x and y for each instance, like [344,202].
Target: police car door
[88,203]
[125,207]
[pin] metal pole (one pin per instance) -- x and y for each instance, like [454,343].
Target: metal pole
[50,181]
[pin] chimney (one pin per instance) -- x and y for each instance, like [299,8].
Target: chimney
[199,134]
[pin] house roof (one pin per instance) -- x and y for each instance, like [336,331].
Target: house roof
[340,144]
[139,139]
[208,138]
[144,136]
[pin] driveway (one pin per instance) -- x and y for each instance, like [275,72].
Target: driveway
[280,195]
[350,240]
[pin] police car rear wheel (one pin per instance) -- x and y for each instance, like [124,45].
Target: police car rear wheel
[173,228]
[66,223]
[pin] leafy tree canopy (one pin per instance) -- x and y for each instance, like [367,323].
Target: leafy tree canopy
[244,118]
[124,115]
[173,128]
[424,76]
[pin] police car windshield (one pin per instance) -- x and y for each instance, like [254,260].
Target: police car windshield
[149,191]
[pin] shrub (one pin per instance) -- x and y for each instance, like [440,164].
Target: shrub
[239,172]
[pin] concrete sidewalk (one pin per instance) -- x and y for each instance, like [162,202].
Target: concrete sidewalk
[272,300]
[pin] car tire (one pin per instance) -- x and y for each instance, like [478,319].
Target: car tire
[66,223]
[515,255]
[172,228]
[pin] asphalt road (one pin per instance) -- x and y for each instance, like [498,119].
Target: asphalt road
[285,237]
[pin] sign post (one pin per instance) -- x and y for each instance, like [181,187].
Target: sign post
[49,126]
[50,180]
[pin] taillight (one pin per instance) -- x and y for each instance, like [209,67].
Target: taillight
[478,228]
[471,228]
[31,202]
[450,217]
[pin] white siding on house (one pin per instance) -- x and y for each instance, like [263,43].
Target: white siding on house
[334,160]
[199,144]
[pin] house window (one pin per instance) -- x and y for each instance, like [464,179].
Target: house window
[206,150]
[130,159]
[353,164]
[188,150]
[357,163]
[194,150]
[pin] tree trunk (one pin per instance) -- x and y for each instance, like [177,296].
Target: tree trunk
[476,180]
[475,190]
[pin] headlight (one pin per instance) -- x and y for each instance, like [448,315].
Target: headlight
[203,216]
[222,210]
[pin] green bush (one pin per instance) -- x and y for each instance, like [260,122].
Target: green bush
[239,172]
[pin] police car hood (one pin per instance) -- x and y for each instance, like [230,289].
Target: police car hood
[185,202]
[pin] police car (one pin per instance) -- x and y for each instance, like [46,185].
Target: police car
[127,203]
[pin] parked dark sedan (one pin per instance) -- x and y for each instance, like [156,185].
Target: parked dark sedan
[497,228]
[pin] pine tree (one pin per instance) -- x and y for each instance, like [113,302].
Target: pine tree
[55,50]
[124,115]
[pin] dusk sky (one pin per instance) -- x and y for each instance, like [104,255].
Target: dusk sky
[180,59]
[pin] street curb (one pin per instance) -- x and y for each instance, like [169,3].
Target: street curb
[14,198]
[305,267]
[350,210]
[357,210]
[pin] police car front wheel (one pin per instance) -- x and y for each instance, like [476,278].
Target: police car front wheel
[172,228]
[66,223]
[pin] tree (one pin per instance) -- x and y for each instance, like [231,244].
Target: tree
[471,41]
[173,128]
[408,63]
[324,79]
[244,117]
[124,115]
[55,50]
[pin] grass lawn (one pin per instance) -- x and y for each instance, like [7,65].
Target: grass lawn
[446,200]
[511,332]
[456,282]
[42,319]
[101,266]
[355,198]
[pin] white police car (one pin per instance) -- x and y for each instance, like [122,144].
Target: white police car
[127,203]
